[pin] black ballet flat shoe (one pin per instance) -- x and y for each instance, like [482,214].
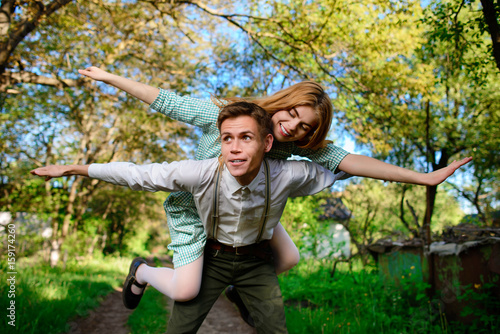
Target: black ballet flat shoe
[130,299]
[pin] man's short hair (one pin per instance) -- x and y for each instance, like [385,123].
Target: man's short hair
[243,108]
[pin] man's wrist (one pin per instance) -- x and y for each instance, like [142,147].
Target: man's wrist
[76,170]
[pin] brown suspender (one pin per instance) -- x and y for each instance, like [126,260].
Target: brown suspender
[267,208]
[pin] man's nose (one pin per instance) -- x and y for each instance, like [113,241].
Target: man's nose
[235,146]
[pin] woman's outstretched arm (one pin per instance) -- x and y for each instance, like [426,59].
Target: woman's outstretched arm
[139,90]
[360,165]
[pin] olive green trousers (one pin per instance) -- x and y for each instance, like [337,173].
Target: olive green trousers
[256,283]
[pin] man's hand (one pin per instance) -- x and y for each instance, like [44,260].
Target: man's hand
[61,170]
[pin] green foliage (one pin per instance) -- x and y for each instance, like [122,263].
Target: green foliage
[351,302]
[138,242]
[482,305]
[358,301]
[465,99]
[47,298]
[418,85]
[88,122]
[301,216]
[27,230]
[134,221]
[377,211]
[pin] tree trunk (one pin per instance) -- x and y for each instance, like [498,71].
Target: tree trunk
[55,252]
[490,17]
[92,245]
[430,198]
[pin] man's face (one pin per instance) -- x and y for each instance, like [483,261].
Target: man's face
[243,147]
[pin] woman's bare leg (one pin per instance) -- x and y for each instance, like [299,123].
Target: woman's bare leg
[180,284]
[286,254]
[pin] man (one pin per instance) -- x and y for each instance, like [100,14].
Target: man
[240,200]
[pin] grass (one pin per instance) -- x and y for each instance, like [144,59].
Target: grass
[150,316]
[359,301]
[47,298]
[356,301]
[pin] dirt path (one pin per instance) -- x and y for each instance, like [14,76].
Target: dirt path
[223,318]
[111,317]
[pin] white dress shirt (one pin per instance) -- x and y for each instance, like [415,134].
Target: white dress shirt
[240,207]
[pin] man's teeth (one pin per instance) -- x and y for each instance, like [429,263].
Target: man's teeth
[284,131]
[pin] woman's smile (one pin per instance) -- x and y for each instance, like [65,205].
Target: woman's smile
[294,124]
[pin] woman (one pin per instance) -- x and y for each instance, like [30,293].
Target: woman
[302,116]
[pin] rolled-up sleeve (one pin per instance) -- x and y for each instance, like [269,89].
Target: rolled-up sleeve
[200,113]
[328,157]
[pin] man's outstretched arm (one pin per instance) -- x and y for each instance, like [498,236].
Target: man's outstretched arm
[61,170]
[176,176]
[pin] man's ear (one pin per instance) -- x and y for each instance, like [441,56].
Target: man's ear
[268,142]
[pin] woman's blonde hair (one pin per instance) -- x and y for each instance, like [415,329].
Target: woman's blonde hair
[306,93]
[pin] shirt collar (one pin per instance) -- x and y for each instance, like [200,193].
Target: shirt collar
[233,185]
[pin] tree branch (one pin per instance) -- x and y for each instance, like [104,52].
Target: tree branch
[25,27]
[252,35]
[12,78]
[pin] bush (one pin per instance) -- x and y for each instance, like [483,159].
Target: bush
[358,301]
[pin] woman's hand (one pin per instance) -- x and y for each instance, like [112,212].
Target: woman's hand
[95,73]
[440,175]
[142,91]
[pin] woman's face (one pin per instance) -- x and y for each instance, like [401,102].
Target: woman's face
[294,124]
